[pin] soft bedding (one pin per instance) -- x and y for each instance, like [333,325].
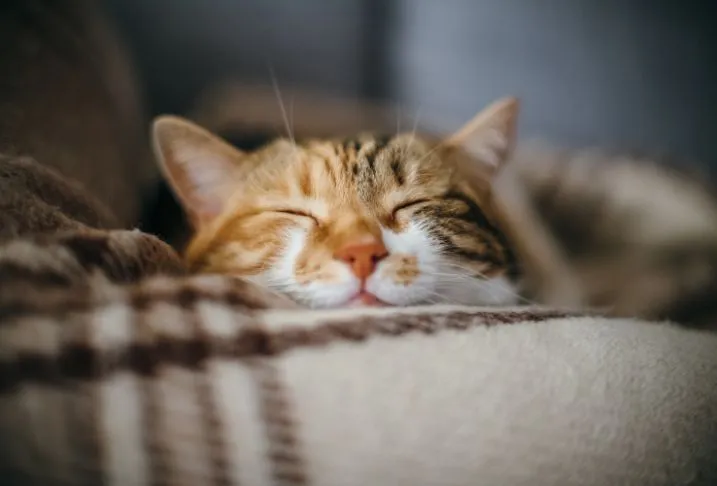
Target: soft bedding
[207,380]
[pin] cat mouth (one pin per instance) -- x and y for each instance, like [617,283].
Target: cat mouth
[366,299]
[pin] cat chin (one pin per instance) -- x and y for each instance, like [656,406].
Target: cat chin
[366,300]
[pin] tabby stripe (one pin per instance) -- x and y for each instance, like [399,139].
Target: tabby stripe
[379,144]
[329,168]
[351,144]
[446,243]
[474,213]
[478,256]
[305,183]
[477,216]
[397,171]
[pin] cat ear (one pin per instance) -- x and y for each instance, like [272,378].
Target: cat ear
[199,166]
[490,135]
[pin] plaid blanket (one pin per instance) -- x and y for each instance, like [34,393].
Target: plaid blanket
[209,380]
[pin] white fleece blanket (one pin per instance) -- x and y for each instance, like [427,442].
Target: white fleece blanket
[215,392]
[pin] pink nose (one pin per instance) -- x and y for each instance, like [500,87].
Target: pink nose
[362,257]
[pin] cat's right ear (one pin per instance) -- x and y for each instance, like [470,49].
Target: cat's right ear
[199,166]
[489,137]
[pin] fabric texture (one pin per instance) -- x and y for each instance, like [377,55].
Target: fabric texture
[199,380]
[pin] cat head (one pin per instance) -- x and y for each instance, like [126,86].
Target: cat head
[369,220]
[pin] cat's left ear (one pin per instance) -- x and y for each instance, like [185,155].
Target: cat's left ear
[200,167]
[490,135]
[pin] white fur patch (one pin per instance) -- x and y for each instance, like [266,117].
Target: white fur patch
[438,280]
[318,294]
[414,241]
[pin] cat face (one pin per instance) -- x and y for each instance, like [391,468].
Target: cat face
[398,220]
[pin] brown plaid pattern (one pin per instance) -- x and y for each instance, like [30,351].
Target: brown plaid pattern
[129,373]
[108,377]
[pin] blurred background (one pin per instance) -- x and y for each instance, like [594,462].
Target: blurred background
[636,74]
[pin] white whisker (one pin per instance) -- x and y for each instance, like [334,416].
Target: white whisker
[477,278]
[439,297]
[416,118]
[277,92]
[398,119]
[430,152]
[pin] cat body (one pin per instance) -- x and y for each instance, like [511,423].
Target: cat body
[396,220]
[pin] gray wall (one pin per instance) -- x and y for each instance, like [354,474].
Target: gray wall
[634,73]
[614,72]
[183,45]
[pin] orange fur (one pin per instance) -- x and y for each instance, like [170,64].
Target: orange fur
[282,215]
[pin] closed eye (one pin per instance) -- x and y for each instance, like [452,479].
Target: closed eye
[297,212]
[409,204]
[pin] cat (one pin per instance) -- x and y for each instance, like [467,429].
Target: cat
[361,221]
[466,220]
[74,152]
